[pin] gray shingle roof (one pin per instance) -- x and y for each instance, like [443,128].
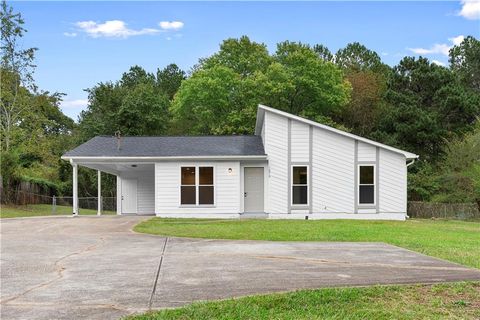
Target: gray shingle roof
[175,146]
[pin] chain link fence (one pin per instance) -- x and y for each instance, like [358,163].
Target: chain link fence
[427,210]
[59,205]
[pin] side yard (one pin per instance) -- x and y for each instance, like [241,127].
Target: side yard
[41,210]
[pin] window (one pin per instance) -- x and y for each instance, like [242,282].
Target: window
[188,189]
[366,186]
[205,186]
[197,186]
[299,185]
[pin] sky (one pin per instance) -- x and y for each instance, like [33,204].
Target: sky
[83,43]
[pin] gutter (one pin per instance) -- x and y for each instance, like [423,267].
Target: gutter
[410,163]
[171,158]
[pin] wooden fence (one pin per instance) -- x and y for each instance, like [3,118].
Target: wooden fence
[425,210]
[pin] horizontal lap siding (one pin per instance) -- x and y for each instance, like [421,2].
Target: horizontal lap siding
[333,172]
[276,147]
[146,193]
[392,182]
[145,190]
[167,186]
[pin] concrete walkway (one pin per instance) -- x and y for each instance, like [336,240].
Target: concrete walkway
[97,268]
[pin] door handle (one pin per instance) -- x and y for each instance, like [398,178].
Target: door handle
[244,194]
[122,197]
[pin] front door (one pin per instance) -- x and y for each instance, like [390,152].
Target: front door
[129,195]
[253,190]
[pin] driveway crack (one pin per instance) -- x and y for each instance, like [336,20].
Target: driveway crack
[150,301]
[59,269]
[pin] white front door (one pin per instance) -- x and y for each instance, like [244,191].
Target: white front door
[129,195]
[253,190]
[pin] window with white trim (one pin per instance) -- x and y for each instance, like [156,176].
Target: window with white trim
[197,186]
[366,184]
[299,185]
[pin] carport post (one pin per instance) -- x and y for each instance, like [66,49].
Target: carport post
[99,201]
[75,189]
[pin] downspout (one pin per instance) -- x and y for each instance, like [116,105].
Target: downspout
[406,196]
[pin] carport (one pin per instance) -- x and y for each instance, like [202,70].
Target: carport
[135,183]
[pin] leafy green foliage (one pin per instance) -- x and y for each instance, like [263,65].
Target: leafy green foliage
[465,62]
[222,94]
[416,105]
[426,105]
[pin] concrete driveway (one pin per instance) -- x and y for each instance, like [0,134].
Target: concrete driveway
[97,268]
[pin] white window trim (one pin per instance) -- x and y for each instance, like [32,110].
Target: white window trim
[297,205]
[197,187]
[374,203]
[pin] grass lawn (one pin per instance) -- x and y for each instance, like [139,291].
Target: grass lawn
[442,301]
[41,210]
[457,241]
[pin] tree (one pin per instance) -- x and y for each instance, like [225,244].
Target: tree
[222,94]
[242,55]
[169,79]
[323,52]
[426,104]
[357,57]
[366,103]
[465,62]
[17,66]
[318,86]
[136,105]
[144,111]
[459,178]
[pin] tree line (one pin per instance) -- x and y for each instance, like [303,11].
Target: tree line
[416,105]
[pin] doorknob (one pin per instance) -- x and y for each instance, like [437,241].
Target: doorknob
[122,197]
[244,194]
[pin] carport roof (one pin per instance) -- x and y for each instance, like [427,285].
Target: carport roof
[169,146]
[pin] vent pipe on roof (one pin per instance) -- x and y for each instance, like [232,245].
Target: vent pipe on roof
[119,140]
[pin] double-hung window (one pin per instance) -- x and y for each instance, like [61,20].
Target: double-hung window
[197,186]
[299,185]
[366,185]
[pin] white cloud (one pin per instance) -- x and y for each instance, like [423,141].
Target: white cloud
[112,29]
[457,40]
[171,25]
[78,103]
[470,9]
[70,34]
[440,63]
[439,48]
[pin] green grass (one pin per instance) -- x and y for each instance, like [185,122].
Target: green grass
[442,301]
[457,241]
[41,210]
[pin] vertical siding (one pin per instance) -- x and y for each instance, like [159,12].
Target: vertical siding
[167,188]
[392,182]
[333,172]
[299,142]
[366,152]
[276,147]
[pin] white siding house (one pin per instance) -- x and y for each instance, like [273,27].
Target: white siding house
[292,168]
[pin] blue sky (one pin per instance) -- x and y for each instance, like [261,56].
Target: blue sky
[83,43]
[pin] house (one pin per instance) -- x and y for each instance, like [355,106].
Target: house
[292,168]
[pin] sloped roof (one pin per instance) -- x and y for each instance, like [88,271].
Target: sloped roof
[170,146]
[261,114]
